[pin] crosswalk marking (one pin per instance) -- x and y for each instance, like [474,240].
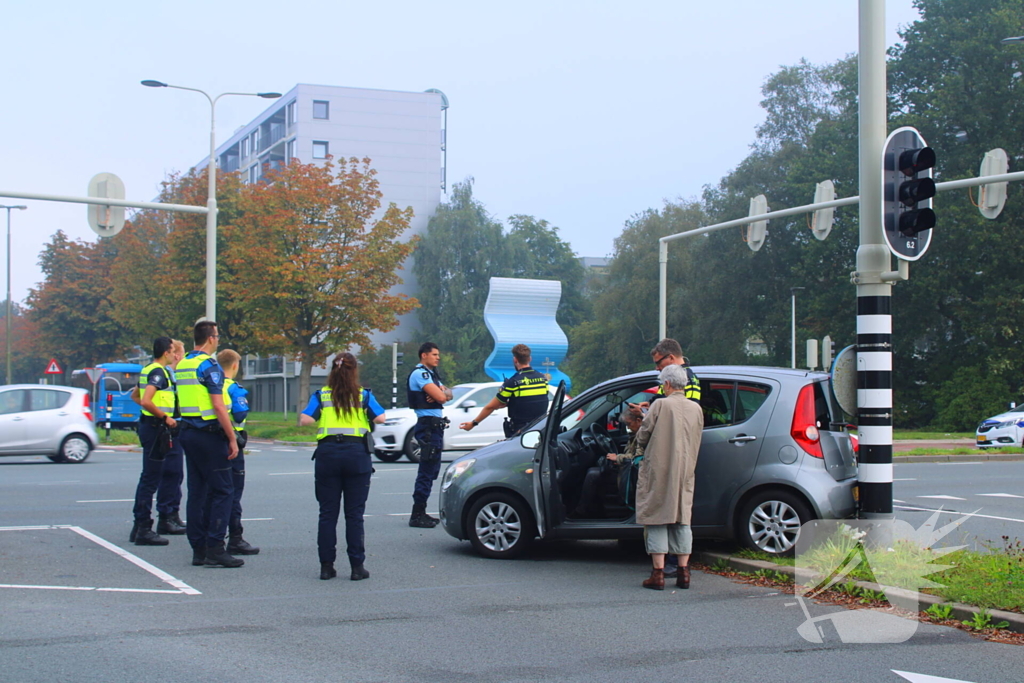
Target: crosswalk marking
[999,495]
[942,497]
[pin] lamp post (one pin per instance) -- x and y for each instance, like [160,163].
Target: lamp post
[1012,39]
[7,323]
[211,201]
[792,329]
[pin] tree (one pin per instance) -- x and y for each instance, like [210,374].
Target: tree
[72,306]
[539,253]
[311,260]
[27,362]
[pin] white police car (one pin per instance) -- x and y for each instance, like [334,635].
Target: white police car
[394,438]
[1006,429]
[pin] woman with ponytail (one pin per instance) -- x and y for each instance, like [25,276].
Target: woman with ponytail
[342,411]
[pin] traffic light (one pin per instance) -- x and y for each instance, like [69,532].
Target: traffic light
[398,358]
[907,191]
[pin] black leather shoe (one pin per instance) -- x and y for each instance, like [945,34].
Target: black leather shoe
[198,557]
[239,546]
[216,556]
[146,536]
[359,573]
[167,525]
[422,521]
[327,571]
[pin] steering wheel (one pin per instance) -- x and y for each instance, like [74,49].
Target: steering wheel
[598,441]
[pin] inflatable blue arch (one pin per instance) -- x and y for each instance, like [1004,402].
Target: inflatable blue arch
[522,311]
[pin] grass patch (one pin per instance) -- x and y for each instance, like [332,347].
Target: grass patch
[917,434]
[991,580]
[958,451]
[118,437]
[765,557]
[277,427]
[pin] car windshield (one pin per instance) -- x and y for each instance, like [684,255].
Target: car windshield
[457,393]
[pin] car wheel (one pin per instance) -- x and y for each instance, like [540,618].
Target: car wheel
[771,521]
[75,448]
[411,447]
[500,526]
[388,456]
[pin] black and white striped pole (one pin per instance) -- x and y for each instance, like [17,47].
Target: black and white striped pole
[394,375]
[874,315]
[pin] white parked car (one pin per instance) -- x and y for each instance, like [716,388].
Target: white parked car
[1006,429]
[394,438]
[46,420]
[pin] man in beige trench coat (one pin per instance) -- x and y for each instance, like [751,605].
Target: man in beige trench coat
[671,434]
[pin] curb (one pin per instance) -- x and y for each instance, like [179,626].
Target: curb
[909,600]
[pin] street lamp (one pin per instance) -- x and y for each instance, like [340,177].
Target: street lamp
[1013,39]
[8,318]
[792,355]
[211,201]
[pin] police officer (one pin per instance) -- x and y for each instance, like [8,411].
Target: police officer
[161,470]
[238,406]
[525,393]
[669,352]
[210,445]
[427,394]
[343,411]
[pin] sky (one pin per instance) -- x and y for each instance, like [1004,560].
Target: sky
[580,113]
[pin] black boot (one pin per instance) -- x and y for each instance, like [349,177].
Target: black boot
[144,534]
[198,557]
[167,525]
[216,556]
[238,545]
[327,571]
[359,573]
[134,532]
[420,519]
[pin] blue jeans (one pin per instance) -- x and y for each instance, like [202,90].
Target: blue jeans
[428,470]
[162,477]
[341,469]
[210,488]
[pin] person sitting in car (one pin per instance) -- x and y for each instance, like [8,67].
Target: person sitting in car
[591,504]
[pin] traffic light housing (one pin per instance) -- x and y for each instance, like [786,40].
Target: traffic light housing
[398,358]
[907,191]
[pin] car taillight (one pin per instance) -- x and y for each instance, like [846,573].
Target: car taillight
[805,427]
[856,443]
[85,407]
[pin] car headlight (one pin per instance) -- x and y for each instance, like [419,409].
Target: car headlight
[1007,423]
[392,421]
[454,470]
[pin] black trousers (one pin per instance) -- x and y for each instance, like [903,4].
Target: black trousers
[210,488]
[238,481]
[341,470]
[162,477]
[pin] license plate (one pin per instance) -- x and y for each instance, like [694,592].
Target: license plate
[982,440]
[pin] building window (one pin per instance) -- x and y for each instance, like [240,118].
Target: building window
[319,149]
[321,109]
[289,151]
[256,141]
[292,117]
[254,173]
[245,147]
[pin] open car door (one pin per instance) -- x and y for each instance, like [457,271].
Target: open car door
[547,501]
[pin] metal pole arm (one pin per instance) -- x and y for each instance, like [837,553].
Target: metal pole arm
[104,201]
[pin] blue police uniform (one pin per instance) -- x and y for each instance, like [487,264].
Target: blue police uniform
[342,467]
[163,477]
[428,432]
[210,485]
[238,406]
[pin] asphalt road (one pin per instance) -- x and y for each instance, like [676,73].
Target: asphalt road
[88,606]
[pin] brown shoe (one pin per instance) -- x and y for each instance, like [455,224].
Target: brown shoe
[657,580]
[683,578]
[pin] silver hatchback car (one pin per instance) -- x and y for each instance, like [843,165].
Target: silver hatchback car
[775,453]
[46,420]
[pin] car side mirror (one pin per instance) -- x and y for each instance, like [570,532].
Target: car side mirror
[530,440]
[467,405]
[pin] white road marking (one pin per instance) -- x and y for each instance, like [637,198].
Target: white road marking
[942,497]
[285,450]
[58,483]
[99,451]
[137,561]
[964,514]
[112,500]
[960,463]
[910,479]
[285,474]
[401,469]
[925,678]
[999,495]
[180,586]
[257,519]
[898,501]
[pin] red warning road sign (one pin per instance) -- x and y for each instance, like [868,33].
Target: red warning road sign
[53,368]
